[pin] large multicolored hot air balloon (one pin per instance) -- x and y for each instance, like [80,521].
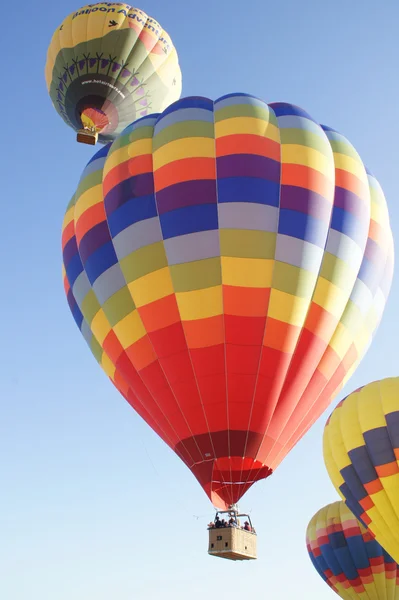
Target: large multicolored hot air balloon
[361,452]
[228,276]
[107,65]
[348,559]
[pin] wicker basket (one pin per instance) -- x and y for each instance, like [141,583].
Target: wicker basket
[232,543]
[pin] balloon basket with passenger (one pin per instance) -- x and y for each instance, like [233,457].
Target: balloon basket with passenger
[230,539]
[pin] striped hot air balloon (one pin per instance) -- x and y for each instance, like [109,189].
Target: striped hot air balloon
[228,263]
[361,453]
[347,557]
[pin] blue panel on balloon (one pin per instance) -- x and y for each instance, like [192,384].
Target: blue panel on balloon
[379,446]
[302,226]
[248,189]
[392,420]
[190,219]
[352,480]
[133,211]
[284,109]
[100,261]
[74,269]
[361,462]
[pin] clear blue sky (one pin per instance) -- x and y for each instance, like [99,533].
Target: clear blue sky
[92,504]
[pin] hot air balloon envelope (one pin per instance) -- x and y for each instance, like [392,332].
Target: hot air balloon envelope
[228,276]
[348,559]
[361,451]
[107,65]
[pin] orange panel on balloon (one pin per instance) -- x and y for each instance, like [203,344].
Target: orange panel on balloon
[185,170]
[160,314]
[305,177]
[141,353]
[89,219]
[280,336]
[348,181]
[112,346]
[246,302]
[204,332]
[252,144]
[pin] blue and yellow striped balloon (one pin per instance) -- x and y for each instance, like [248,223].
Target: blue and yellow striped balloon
[361,453]
[347,557]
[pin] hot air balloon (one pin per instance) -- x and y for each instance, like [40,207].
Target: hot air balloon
[107,65]
[361,451]
[228,276]
[349,560]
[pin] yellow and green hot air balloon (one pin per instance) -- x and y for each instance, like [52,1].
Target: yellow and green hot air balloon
[361,452]
[109,64]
